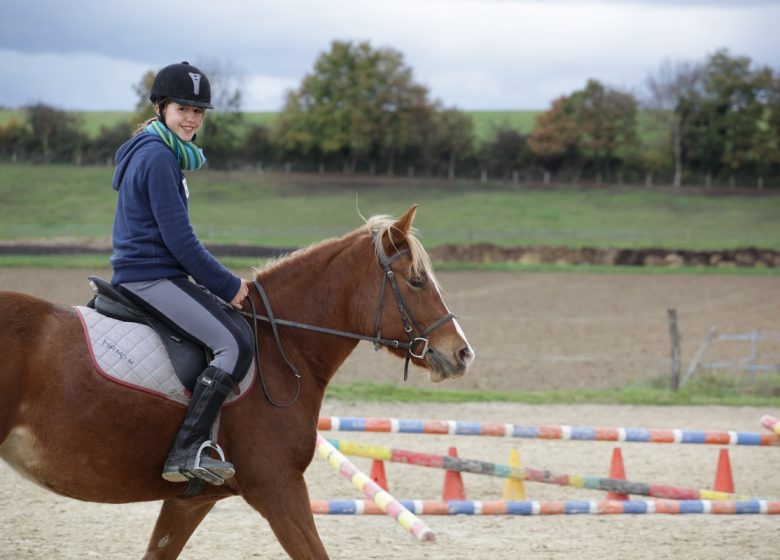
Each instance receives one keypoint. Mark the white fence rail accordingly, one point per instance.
(755, 361)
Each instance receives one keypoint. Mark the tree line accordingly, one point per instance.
(360, 110)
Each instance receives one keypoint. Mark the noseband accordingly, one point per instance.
(417, 347)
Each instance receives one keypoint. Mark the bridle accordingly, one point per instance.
(417, 346)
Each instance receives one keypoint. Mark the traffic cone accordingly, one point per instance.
(378, 474)
(514, 489)
(723, 480)
(616, 470)
(453, 482)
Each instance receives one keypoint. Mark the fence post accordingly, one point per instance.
(483, 177)
(649, 180)
(675, 336)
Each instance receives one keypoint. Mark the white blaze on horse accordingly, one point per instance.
(69, 429)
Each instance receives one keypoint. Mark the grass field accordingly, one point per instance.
(246, 207)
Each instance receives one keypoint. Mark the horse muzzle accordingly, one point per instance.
(442, 367)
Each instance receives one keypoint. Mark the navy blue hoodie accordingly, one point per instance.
(153, 237)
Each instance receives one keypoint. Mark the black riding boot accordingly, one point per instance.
(189, 456)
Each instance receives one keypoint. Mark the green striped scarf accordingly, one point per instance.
(189, 155)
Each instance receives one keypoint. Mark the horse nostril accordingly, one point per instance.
(465, 356)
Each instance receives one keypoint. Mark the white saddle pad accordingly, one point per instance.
(133, 355)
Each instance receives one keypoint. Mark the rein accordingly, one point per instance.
(410, 325)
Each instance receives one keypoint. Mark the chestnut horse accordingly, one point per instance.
(68, 429)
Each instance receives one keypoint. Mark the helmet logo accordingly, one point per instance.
(195, 83)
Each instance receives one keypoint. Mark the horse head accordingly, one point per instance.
(411, 307)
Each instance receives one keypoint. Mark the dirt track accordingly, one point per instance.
(530, 331)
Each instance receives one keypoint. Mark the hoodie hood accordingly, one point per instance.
(125, 154)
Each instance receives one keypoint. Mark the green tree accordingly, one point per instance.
(507, 151)
(606, 119)
(15, 137)
(728, 125)
(221, 135)
(102, 148)
(142, 90)
(595, 126)
(555, 136)
(666, 90)
(56, 133)
(358, 103)
(448, 139)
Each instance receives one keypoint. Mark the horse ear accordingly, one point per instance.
(404, 223)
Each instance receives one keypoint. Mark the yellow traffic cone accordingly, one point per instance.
(514, 489)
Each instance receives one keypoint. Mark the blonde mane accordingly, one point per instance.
(421, 262)
(383, 226)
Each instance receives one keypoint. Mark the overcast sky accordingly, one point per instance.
(471, 54)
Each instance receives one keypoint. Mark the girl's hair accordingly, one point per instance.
(160, 104)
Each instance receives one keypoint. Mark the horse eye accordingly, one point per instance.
(417, 282)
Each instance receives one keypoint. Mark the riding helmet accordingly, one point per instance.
(184, 84)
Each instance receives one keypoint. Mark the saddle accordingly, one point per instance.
(188, 357)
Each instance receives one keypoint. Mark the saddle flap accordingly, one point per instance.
(132, 354)
(188, 357)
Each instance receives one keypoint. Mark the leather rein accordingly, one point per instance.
(417, 346)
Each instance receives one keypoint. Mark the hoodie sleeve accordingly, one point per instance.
(167, 201)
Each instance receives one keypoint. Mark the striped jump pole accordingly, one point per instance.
(524, 473)
(562, 432)
(572, 507)
(380, 498)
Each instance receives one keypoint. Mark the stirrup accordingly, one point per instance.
(204, 473)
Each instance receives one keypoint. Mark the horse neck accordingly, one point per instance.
(318, 286)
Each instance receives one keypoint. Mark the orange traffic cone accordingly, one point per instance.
(378, 474)
(616, 470)
(723, 480)
(453, 482)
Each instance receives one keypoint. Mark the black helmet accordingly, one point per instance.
(184, 84)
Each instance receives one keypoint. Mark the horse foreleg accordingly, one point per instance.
(178, 519)
(288, 511)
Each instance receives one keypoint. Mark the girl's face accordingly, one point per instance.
(183, 120)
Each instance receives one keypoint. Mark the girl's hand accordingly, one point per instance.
(243, 292)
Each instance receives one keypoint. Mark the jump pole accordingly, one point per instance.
(533, 475)
(562, 432)
(571, 507)
(378, 497)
